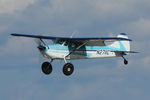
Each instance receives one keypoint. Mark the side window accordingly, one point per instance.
(62, 42)
(65, 43)
(59, 41)
(74, 44)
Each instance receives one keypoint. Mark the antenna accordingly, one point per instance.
(74, 33)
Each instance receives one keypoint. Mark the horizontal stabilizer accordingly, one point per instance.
(125, 51)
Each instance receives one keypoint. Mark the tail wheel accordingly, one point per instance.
(46, 68)
(68, 69)
(125, 62)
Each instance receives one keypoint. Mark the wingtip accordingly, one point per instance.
(13, 34)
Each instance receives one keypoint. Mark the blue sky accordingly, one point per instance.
(20, 70)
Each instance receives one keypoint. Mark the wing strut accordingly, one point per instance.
(42, 41)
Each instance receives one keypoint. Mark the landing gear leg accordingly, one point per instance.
(125, 61)
(51, 60)
(65, 60)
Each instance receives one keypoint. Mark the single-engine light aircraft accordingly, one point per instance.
(64, 48)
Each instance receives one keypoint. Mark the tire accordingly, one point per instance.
(125, 62)
(68, 69)
(46, 68)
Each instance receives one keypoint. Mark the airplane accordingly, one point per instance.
(68, 48)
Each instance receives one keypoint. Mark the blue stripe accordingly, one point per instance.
(60, 47)
(88, 55)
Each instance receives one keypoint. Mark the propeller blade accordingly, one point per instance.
(38, 42)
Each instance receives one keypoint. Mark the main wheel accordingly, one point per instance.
(46, 68)
(68, 69)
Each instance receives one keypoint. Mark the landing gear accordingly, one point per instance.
(125, 61)
(46, 68)
(68, 69)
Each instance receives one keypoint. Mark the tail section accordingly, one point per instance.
(124, 44)
(120, 45)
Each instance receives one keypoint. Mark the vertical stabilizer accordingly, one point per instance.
(125, 44)
(122, 45)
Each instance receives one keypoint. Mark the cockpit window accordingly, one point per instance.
(59, 41)
(62, 42)
(72, 44)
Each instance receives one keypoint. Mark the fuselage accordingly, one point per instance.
(58, 51)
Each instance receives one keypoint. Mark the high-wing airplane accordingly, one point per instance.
(64, 48)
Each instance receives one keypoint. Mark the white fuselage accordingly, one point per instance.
(88, 52)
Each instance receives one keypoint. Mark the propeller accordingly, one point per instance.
(41, 47)
(40, 44)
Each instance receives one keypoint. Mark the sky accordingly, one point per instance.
(21, 77)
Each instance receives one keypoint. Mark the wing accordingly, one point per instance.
(91, 41)
(34, 36)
